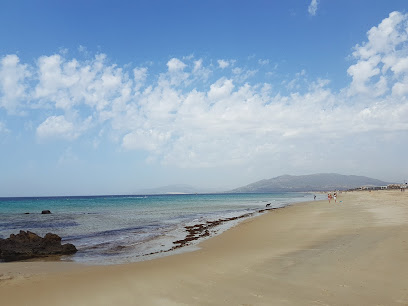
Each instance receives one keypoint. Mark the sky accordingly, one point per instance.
(111, 97)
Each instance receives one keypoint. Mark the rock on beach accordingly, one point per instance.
(27, 245)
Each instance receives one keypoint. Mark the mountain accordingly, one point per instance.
(313, 182)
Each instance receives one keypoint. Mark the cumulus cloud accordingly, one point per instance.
(312, 8)
(140, 75)
(176, 74)
(223, 64)
(220, 89)
(69, 83)
(200, 71)
(195, 114)
(175, 65)
(13, 78)
(56, 127)
(382, 61)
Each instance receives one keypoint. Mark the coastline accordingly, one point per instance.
(352, 252)
(125, 229)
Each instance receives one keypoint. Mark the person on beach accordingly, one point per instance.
(329, 196)
(335, 198)
(314, 197)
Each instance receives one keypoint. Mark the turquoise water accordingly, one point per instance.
(117, 229)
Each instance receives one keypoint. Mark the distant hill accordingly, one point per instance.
(313, 182)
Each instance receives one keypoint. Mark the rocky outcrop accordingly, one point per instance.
(27, 245)
(45, 212)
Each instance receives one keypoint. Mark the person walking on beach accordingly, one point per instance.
(335, 198)
(314, 197)
(329, 196)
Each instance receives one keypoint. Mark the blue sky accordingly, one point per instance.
(99, 97)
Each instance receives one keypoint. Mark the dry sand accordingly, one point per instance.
(354, 252)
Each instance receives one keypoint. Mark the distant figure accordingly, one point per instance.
(314, 197)
(335, 198)
(268, 205)
(329, 196)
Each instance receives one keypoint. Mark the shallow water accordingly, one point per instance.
(117, 229)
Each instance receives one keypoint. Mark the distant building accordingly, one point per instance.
(373, 188)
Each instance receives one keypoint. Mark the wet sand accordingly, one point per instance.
(354, 252)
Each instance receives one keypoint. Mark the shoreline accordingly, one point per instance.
(123, 230)
(194, 236)
(353, 252)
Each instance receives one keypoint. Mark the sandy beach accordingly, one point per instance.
(353, 252)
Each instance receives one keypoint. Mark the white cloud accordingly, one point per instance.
(400, 66)
(362, 72)
(198, 65)
(382, 61)
(385, 37)
(70, 83)
(83, 49)
(175, 65)
(263, 62)
(401, 88)
(200, 71)
(312, 8)
(176, 74)
(56, 127)
(140, 75)
(223, 64)
(149, 140)
(193, 114)
(13, 76)
(297, 82)
(220, 89)
(241, 75)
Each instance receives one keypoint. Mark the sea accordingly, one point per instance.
(121, 229)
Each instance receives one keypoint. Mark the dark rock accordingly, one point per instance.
(27, 245)
(45, 212)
